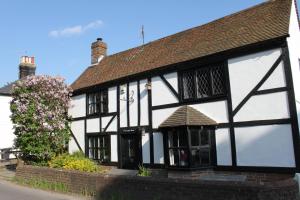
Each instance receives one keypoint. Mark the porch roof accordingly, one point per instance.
(187, 116)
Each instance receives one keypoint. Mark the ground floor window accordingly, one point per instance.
(99, 148)
(190, 147)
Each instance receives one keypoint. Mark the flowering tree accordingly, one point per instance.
(39, 112)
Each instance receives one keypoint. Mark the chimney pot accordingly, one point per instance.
(27, 67)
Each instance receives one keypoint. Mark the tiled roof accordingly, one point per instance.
(6, 90)
(265, 21)
(187, 116)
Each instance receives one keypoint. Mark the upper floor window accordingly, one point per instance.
(203, 83)
(98, 102)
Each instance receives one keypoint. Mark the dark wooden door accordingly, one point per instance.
(130, 151)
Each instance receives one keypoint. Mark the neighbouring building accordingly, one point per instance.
(224, 95)
(27, 67)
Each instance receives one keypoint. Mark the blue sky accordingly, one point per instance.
(59, 32)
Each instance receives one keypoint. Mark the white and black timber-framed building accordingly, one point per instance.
(224, 95)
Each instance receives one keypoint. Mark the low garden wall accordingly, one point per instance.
(150, 188)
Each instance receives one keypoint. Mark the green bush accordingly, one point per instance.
(76, 161)
(143, 171)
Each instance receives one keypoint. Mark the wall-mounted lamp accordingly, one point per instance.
(148, 86)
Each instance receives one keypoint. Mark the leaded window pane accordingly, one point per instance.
(195, 138)
(218, 86)
(204, 138)
(188, 85)
(203, 83)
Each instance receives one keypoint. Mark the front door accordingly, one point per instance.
(129, 151)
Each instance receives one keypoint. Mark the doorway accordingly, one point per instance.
(130, 151)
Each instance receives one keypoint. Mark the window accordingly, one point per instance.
(99, 148)
(196, 153)
(203, 83)
(178, 148)
(200, 147)
(98, 102)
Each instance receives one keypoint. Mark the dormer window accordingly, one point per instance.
(98, 102)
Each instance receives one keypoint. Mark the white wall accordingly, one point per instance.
(294, 51)
(123, 106)
(77, 128)
(161, 94)
(112, 99)
(223, 146)
(112, 127)
(158, 116)
(146, 147)
(114, 148)
(78, 106)
(93, 125)
(7, 136)
(264, 107)
(144, 103)
(265, 146)
(158, 147)
(276, 79)
(133, 105)
(245, 72)
(215, 110)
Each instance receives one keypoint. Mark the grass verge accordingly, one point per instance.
(42, 184)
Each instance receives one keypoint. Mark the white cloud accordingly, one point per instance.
(75, 30)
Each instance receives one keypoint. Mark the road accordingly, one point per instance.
(11, 191)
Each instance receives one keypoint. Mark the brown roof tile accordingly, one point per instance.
(187, 116)
(265, 21)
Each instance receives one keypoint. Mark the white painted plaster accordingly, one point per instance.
(78, 106)
(215, 110)
(7, 133)
(265, 146)
(172, 78)
(223, 146)
(161, 94)
(264, 107)
(113, 148)
(294, 52)
(112, 127)
(146, 147)
(104, 121)
(133, 104)
(93, 125)
(158, 116)
(77, 128)
(158, 148)
(245, 72)
(276, 79)
(112, 99)
(144, 103)
(123, 105)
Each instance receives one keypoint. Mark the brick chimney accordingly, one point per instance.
(98, 51)
(27, 67)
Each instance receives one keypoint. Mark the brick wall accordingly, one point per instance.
(147, 188)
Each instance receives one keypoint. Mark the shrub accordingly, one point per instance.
(76, 161)
(143, 171)
(39, 111)
(84, 165)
